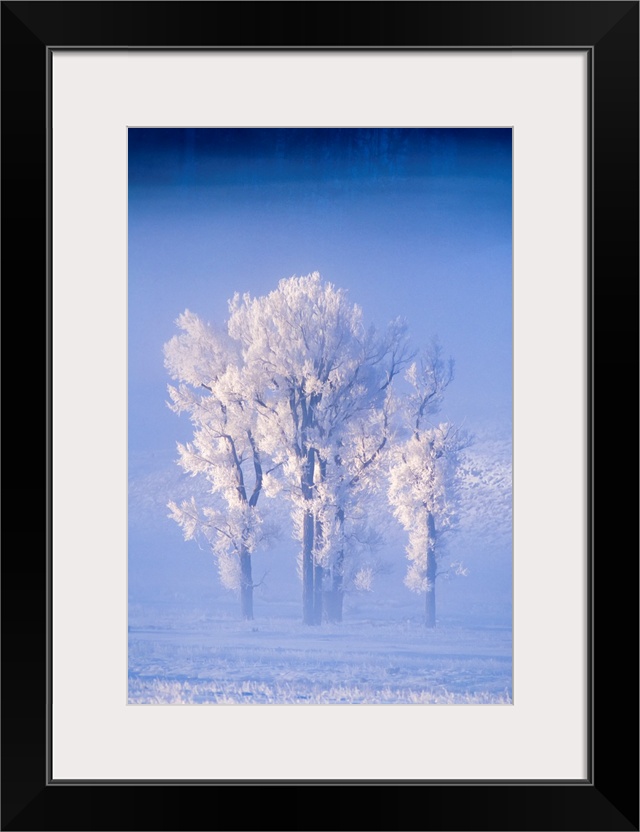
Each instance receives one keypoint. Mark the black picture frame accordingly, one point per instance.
(608, 798)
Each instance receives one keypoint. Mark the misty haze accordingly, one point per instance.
(320, 429)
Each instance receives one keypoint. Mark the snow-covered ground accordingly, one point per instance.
(178, 655)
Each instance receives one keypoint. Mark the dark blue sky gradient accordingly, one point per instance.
(412, 222)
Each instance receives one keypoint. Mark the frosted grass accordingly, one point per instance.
(162, 692)
(189, 657)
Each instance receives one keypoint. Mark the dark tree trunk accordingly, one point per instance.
(335, 596)
(318, 575)
(430, 604)
(308, 612)
(246, 586)
(318, 571)
(307, 569)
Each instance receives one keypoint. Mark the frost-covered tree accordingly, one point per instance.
(217, 393)
(350, 493)
(423, 477)
(318, 370)
(485, 490)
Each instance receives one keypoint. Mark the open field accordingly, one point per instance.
(179, 656)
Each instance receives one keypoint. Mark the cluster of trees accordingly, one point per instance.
(297, 399)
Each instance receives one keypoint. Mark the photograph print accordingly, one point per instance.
(320, 388)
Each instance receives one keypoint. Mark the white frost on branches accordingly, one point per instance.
(215, 390)
(486, 494)
(296, 399)
(323, 410)
(423, 487)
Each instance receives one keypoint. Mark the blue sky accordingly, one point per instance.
(412, 222)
